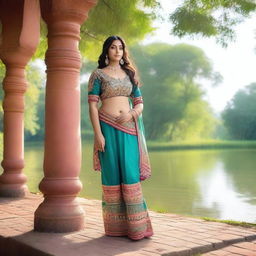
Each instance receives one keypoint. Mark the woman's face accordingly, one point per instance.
(115, 51)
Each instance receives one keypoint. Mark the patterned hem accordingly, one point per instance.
(115, 234)
(125, 211)
(144, 235)
(131, 236)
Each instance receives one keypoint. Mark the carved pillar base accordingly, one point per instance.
(13, 181)
(70, 215)
(8, 190)
(60, 211)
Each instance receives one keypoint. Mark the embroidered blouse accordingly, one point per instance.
(102, 86)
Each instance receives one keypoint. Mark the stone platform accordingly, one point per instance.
(174, 235)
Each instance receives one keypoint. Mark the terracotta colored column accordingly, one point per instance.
(20, 36)
(60, 211)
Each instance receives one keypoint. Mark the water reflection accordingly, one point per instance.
(213, 183)
(221, 196)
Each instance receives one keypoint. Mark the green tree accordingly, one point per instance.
(32, 94)
(239, 115)
(35, 107)
(131, 19)
(40, 114)
(172, 90)
(208, 18)
(198, 122)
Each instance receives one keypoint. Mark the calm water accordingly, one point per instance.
(212, 183)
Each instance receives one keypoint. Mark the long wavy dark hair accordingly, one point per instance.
(128, 66)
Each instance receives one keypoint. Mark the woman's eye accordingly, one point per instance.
(113, 47)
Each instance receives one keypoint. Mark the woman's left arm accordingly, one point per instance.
(137, 109)
(137, 102)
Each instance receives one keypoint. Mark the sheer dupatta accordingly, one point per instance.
(145, 169)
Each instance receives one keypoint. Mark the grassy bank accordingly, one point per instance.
(208, 144)
(88, 136)
(230, 222)
(185, 145)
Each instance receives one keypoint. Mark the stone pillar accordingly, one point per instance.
(60, 211)
(20, 36)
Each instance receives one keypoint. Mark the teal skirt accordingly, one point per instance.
(124, 208)
(120, 161)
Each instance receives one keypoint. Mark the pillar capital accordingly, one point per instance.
(66, 10)
(20, 36)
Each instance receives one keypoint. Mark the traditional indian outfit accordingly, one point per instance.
(124, 163)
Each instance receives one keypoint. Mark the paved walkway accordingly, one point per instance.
(174, 235)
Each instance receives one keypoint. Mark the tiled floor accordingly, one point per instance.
(174, 234)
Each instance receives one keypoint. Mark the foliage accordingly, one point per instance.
(37, 79)
(32, 94)
(130, 19)
(239, 115)
(198, 122)
(172, 90)
(207, 18)
(31, 99)
(43, 44)
(40, 114)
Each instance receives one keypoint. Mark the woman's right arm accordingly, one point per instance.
(94, 89)
(94, 117)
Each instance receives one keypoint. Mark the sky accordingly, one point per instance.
(236, 63)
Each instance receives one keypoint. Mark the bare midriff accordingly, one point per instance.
(115, 106)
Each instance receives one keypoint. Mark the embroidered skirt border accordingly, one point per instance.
(125, 211)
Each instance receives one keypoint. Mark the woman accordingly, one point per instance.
(120, 151)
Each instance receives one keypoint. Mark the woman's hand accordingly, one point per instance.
(99, 142)
(125, 117)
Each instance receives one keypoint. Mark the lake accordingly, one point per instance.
(209, 183)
